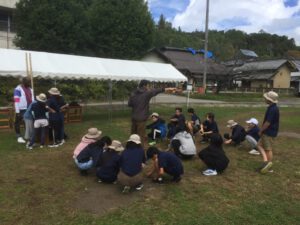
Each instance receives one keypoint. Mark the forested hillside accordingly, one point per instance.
(224, 44)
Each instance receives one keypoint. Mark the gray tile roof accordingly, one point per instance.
(270, 65)
(184, 60)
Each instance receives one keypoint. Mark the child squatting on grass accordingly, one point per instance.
(252, 135)
(109, 163)
(214, 156)
(238, 133)
(158, 129)
(164, 162)
(208, 127)
(132, 162)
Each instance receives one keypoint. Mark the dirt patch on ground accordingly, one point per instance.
(101, 198)
(289, 134)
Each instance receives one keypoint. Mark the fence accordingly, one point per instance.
(285, 91)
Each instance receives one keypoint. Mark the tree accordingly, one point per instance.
(104, 28)
(51, 25)
(120, 29)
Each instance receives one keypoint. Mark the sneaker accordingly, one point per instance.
(61, 142)
(151, 143)
(53, 145)
(29, 147)
(41, 146)
(210, 172)
(126, 189)
(266, 167)
(158, 180)
(21, 140)
(254, 152)
(139, 187)
(99, 181)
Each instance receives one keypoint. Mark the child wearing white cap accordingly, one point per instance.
(252, 135)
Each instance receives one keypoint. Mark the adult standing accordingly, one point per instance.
(269, 130)
(23, 96)
(139, 102)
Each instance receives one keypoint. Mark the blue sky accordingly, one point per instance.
(280, 17)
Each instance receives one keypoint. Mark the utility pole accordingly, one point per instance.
(205, 46)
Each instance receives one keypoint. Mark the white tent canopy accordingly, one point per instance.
(61, 66)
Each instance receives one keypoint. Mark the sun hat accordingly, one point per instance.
(54, 91)
(41, 97)
(116, 145)
(93, 133)
(155, 114)
(231, 123)
(271, 96)
(253, 120)
(135, 138)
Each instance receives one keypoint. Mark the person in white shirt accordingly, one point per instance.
(23, 96)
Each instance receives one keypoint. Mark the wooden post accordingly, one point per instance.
(29, 69)
(30, 73)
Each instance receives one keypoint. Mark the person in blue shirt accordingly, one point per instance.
(132, 162)
(158, 128)
(194, 123)
(177, 123)
(39, 114)
(252, 135)
(56, 104)
(238, 133)
(269, 131)
(89, 157)
(208, 127)
(164, 162)
(109, 163)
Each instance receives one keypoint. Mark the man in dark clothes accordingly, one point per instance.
(139, 102)
(238, 133)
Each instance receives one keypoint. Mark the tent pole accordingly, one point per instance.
(26, 62)
(30, 72)
(29, 69)
(110, 101)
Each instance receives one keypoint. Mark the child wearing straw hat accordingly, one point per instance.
(269, 131)
(109, 163)
(131, 164)
(39, 114)
(56, 103)
(238, 133)
(89, 157)
(92, 136)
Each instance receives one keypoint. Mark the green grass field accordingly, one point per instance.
(44, 187)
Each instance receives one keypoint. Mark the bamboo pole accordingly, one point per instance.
(30, 72)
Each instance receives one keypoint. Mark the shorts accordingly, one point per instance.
(40, 123)
(266, 142)
(126, 180)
